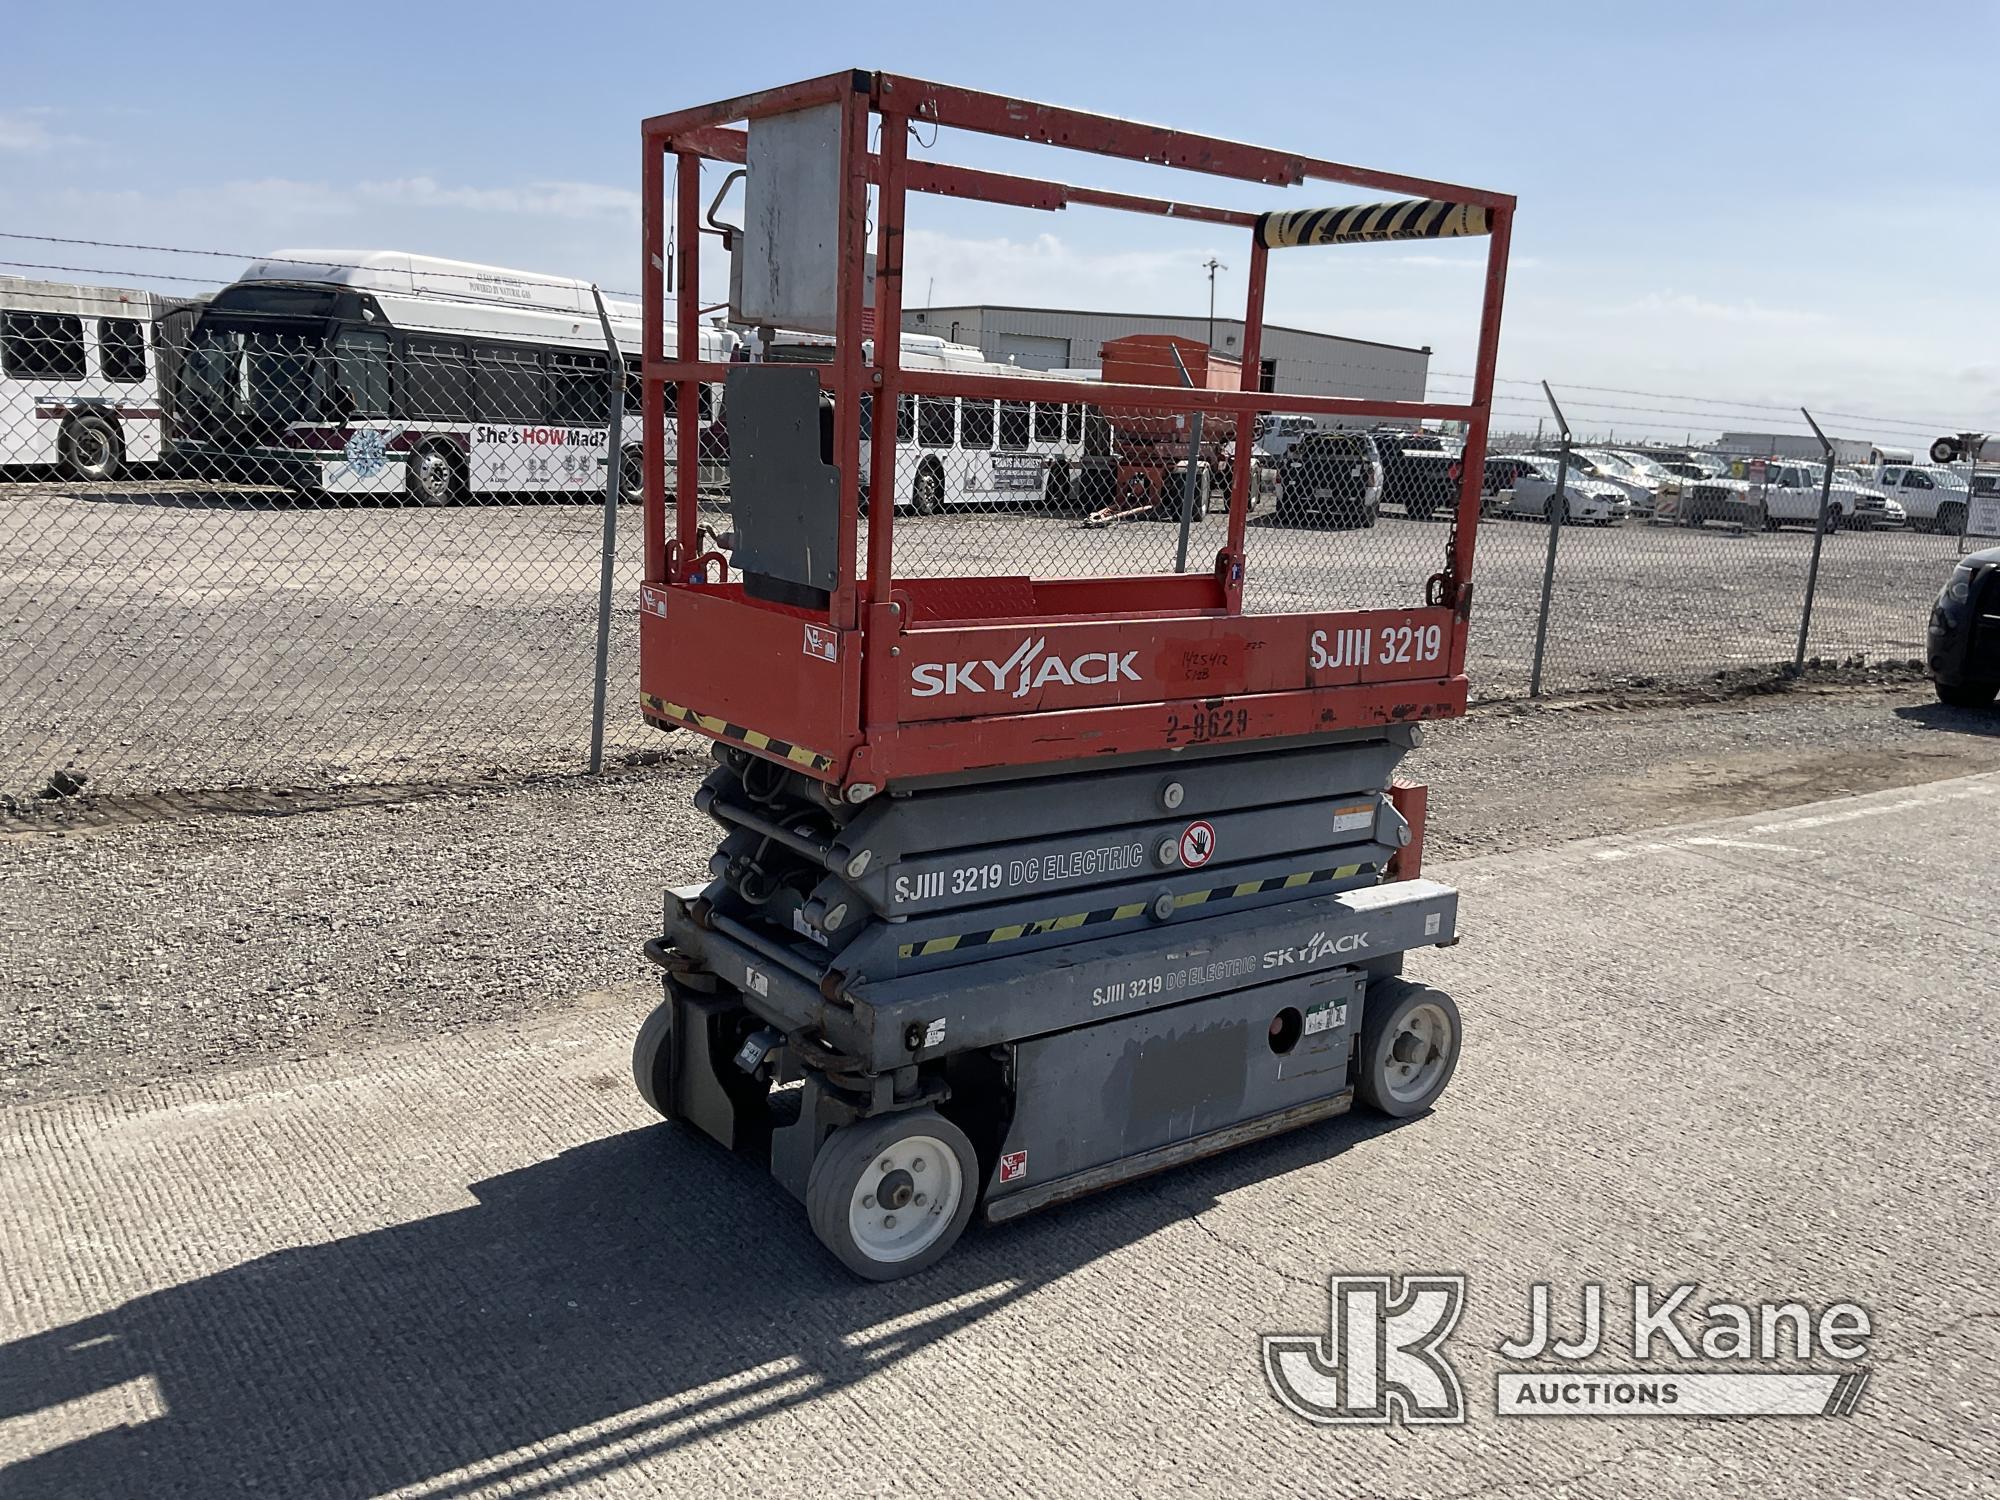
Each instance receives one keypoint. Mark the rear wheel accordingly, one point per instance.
(631, 478)
(927, 494)
(1951, 518)
(1835, 519)
(1410, 1036)
(1549, 509)
(90, 448)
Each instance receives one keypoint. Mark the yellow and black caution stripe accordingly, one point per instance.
(1406, 219)
(756, 739)
(1123, 913)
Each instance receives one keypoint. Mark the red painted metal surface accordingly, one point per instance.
(1413, 800)
(906, 678)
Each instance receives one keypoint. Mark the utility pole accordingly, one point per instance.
(1212, 265)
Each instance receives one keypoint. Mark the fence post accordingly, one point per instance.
(1558, 504)
(1819, 538)
(1193, 480)
(614, 481)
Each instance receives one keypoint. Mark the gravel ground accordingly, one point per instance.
(159, 637)
(178, 945)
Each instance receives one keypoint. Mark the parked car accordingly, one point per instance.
(1934, 498)
(1330, 478)
(1524, 484)
(1609, 468)
(1964, 636)
(1419, 472)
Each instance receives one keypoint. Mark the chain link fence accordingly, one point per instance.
(293, 535)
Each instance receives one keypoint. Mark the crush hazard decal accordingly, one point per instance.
(1014, 1166)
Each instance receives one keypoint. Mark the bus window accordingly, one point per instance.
(507, 386)
(1013, 424)
(975, 426)
(635, 389)
(906, 418)
(867, 416)
(361, 373)
(434, 383)
(1048, 422)
(40, 343)
(121, 350)
(579, 395)
(935, 421)
(1073, 424)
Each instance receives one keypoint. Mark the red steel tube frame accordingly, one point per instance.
(704, 133)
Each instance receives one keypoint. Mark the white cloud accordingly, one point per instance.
(563, 200)
(27, 131)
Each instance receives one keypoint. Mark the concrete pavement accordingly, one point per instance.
(1757, 1054)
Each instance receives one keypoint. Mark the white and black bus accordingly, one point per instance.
(384, 373)
(84, 373)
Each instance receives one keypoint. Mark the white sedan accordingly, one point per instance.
(1524, 484)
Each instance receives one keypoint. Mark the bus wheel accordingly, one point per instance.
(927, 497)
(631, 478)
(1056, 494)
(434, 478)
(89, 447)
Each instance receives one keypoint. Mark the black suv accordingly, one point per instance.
(1417, 472)
(1330, 478)
(1964, 643)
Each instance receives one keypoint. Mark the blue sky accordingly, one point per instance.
(1785, 203)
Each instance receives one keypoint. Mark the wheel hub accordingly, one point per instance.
(897, 1189)
(905, 1198)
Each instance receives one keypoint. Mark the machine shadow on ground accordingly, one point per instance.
(647, 1287)
(1984, 722)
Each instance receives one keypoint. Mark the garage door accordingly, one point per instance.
(1032, 351)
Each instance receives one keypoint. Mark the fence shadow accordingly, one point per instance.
(604, 1307)
(1984, 722)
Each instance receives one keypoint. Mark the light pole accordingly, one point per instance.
(1212, 265)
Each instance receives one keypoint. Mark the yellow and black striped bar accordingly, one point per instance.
(1407, 219)
(1125, 913)
(756, 739)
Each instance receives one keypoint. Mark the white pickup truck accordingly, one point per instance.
(1934, 498)
(1791, 492)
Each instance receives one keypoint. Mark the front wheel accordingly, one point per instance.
(1967, 694)
(1549, 510)
(927, 495)
(1834, 520)
(89, 448)
(1410, 1036)
(433, 476)
(889, 1196)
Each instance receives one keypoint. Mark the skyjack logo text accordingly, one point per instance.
(1023, 672)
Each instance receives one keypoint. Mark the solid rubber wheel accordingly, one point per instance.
(652, 1060)
(890, 1196)
(1967, 694)
(1410, 1036)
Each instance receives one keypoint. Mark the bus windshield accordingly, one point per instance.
(268, 375)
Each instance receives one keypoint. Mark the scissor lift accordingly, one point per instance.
(1025, 885)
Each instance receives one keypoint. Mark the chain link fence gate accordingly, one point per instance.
(295, 537)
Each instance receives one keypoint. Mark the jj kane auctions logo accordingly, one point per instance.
(1023, 672)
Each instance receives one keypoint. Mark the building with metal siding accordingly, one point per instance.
(1296, 360)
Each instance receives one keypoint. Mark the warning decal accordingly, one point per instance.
(1013, 1166)
(1197, 843)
